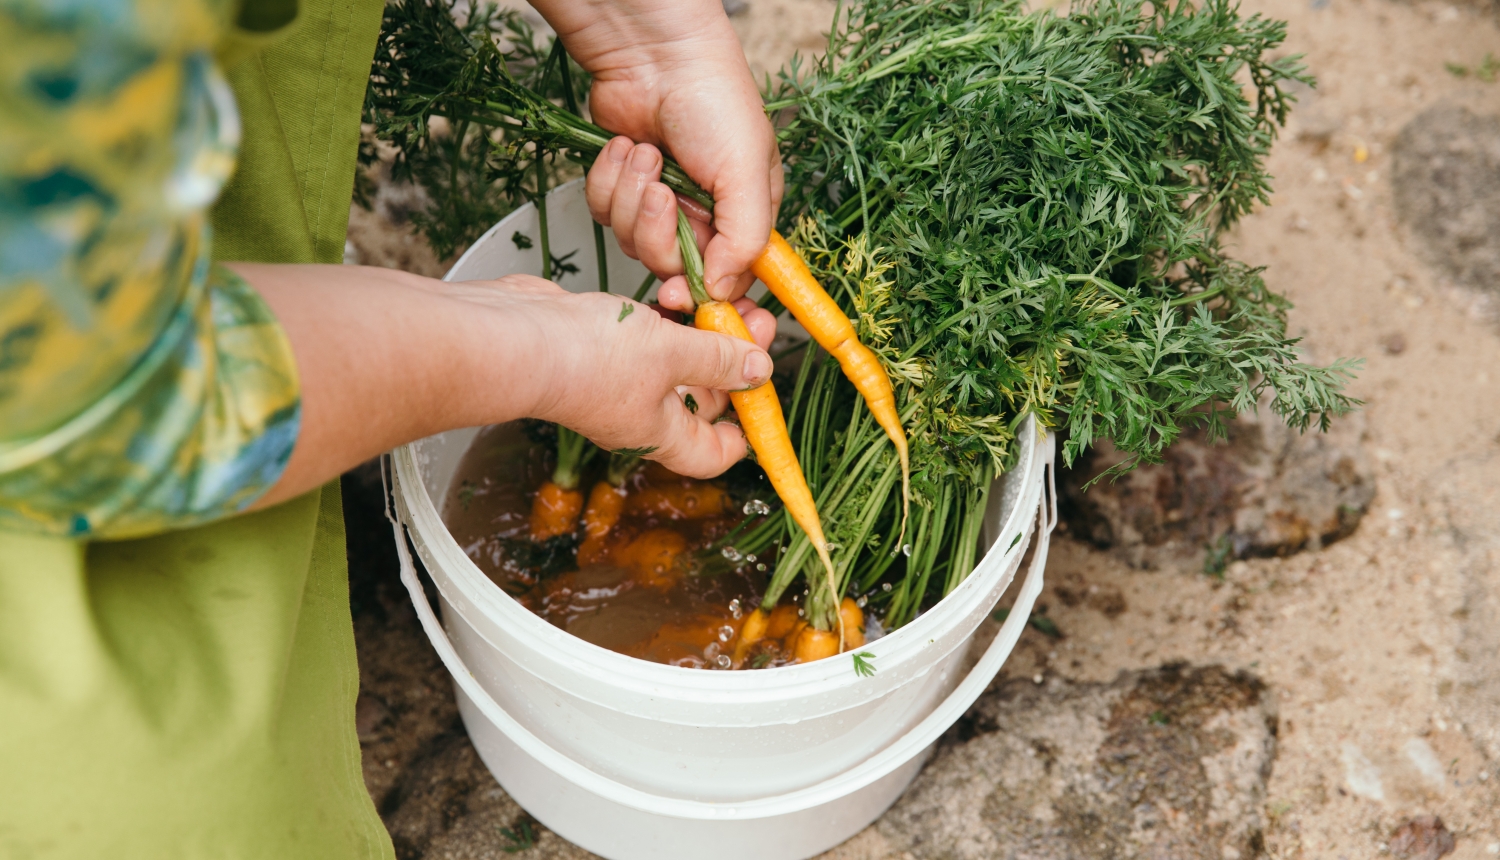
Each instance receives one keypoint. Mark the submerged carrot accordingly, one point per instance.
(606, 504)
(790, 281)
(555, 509)
(759, 410)
(653, 556)
(694, 502)
(854, 623)
(814, 644)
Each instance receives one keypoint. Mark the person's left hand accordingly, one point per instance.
(671, 75)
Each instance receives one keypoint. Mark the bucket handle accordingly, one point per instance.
(878, 766)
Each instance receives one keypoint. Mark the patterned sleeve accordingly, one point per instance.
(141, 387)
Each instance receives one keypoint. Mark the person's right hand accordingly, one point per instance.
(671, 75)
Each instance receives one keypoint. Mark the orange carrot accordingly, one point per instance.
(693, 502)
(781, 621)
(554, 511)
(854, 623)
(759, 411)
(606, 504)
(814, 644)
(790, 281)
(653, 556)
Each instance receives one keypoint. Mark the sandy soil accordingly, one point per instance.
(1359, 641)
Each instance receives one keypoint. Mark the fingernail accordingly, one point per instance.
(644, 160)
(757, 368)
(656, 200)
(723, 288)
(618, 149)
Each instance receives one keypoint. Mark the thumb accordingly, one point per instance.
(714, 360)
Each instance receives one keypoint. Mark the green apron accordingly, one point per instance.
(191, 695)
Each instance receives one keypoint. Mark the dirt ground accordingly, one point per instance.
(1369, 645)
(1359, 641)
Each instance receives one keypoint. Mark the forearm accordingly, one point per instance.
(385, 357)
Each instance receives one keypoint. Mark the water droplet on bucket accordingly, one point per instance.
(885, 586)
(906, 550)
(723, 661)
(731, 553)
(756, 508)
(726, 633)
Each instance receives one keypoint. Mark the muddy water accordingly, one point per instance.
(661, 589)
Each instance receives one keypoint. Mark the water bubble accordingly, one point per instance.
(862, 601)
(801, 613)
(756, 508)
(723, 661)
(726, 633)
(885, 586)
(750, 557)
(731, 553)
(906, 550)
(761, 567)
(734, 608)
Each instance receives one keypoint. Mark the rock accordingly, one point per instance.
(1166, 763)
(1265, 491)
(1446, 184)
(1471, 496)
(1421, 838)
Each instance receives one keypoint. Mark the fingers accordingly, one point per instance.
(696, 447)
(744, 207)
(604, 177)
(718, 361)
(761, 323)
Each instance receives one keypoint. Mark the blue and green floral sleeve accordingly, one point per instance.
(142, 388)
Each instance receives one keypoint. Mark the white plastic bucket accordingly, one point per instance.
(632, 759)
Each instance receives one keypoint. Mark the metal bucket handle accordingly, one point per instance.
(902, 750)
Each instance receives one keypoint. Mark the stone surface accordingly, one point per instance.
(1264, 491)
(1471, 496)
(1446, 190)
(1422, 838)
(1165, 763)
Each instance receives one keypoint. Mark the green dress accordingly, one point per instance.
(190, 694)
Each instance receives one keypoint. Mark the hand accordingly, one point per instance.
(387, 357)
(671, 74)
(624, 381)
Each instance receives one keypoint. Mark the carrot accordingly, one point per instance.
(558, 502)
(814, 644)
(781, 621)
(652, 556)
(790, 281)
(693, 502)
(554, 511)
(854, 624)
(606, 505)
(759, 410)
(752, 631)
